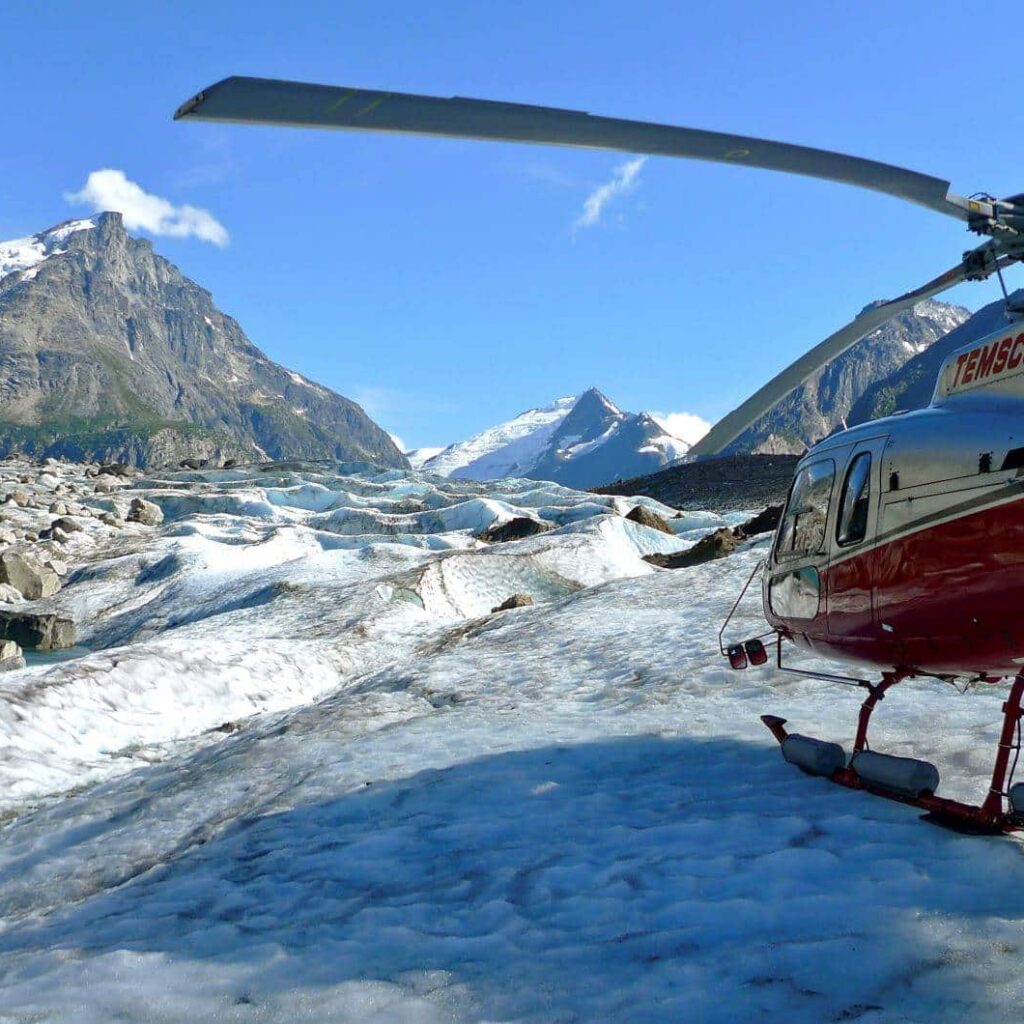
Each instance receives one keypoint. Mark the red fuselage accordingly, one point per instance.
(951, 598)
(902, 544)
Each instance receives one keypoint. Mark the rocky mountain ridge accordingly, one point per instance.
(107, 351)
(912, 385)
(824, 403)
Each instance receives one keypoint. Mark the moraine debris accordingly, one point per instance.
(147, 513)
(514, 529)
(763, 522)
(645, 517)
(27, 576)
(720, 543)
(10, 656)
(515, 601)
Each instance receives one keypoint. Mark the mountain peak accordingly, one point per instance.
(579, 442)
(24, 255)
(111, 352)
(592, 416)
(594, 398)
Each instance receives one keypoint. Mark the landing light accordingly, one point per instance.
(755, 652)
(737, 656)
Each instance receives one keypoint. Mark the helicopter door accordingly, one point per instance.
(850, 576)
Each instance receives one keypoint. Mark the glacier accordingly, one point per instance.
(301, 771)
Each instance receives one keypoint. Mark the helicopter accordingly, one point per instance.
(901, 544)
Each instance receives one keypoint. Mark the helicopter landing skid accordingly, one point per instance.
(909, 781)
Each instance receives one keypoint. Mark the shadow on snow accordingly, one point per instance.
(634, 879)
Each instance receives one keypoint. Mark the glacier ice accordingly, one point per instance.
(305, 775)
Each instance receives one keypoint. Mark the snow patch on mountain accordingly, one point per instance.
(672, 448)
(418, 456)
(25, 254)
(501, 450)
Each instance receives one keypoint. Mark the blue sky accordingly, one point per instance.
(448, 285)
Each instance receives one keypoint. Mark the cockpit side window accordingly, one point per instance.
(852, 522)
(803, 526)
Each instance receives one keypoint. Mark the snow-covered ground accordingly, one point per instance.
(306, 775)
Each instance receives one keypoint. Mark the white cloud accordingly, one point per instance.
(684, 425)
(623, 180)
(111, 190)
(397, 441)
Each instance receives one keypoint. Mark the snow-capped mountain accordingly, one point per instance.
(418, 456)
(580, 441)
(108, 351)
(587, 441)
(25, 254)
(508, 449)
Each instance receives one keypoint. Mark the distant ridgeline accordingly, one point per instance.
(108, 351)
(882, 364)
(735, 482)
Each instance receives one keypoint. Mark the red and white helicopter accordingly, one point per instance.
(901, 545)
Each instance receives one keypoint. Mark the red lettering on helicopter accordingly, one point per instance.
(988, 357)
(1004, 351)
(959, 369)
(1014, 361)
(972, 362)
(988, 361)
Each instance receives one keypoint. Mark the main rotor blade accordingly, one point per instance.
(727, 429)
(268, 101)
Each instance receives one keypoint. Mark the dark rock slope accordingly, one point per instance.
(727, 483)
(108, 351)
(912, 385)
(823, 404)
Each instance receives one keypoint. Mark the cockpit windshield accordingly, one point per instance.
(803, 524)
